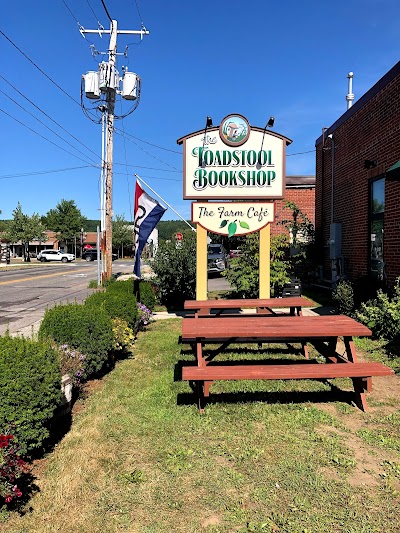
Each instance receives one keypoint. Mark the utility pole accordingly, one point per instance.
(106, 81)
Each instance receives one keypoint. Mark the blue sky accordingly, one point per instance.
(257, 58)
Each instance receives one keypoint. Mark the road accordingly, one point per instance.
(26, 292)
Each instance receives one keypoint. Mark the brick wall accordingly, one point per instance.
(304, 198)
(369, 132)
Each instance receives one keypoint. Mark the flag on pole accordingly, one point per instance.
(147, 213)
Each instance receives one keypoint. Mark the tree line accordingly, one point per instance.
(65, 220)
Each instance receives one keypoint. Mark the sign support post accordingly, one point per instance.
(201, 262)
(265, 262)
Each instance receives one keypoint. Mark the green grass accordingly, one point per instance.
(267, 456)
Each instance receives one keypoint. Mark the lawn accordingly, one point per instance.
(286, 457)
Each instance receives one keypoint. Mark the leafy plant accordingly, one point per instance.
(12, 467)
(30, 384)
(124, 337)
(72, 362)
(344, 296)
(84, 328)
(382, 314)
(147, 296)
(243, 273)
(117, 304)
(25, 229)
(175, 270)
(144, 316)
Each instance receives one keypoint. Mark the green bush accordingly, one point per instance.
(243, 273)
(175, 270)
(30, 385)
(147, 295)
(116, 303)
(85, 328)
(344, 296)
(382, 314)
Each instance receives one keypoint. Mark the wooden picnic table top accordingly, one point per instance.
(278, 328)
(291, 301)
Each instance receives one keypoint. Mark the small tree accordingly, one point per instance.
(122, 234)
(302, 235)
(25, 229)
(243, 273)
(66, 220)
(175, 270)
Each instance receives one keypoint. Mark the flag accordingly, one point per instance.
(147, 213)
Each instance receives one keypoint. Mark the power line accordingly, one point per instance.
(47, 127)
(300, 153)
(150, 177)
(106, 10)
(126, 166)
(48, 116)
(151, 144)
(72, 15)
(40, 172)
(148, 153)
(39, 69)
(138, 10)
(42, 136)
(94, 14)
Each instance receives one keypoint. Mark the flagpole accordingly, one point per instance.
(152, 190)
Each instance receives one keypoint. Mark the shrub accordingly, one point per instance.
(30, 385)
(175, 270)
(146, 291)
(382, 315)
(116, 303)
(72, 362)
(243, 273)
(11, 469)
(124, 337)
(344, 296)
(85, 328)
(147, 295)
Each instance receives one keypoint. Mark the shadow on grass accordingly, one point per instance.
(294, 397)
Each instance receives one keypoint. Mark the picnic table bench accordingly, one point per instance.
(262, 305)
(322, 331)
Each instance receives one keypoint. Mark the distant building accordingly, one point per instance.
(358, 187)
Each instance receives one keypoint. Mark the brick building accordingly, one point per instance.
(301, 191)
(357, 195)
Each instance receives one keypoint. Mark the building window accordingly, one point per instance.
(377, 210)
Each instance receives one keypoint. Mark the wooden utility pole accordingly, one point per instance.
(111, 92)
(109, 86)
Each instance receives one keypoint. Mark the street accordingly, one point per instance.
(26, 292)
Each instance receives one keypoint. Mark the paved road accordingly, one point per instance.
(25, 293)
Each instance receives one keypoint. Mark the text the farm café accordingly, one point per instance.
(233, 172)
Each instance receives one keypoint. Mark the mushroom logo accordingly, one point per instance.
(234, 130)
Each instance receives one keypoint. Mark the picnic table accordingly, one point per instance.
(262, 305)
(321, 331)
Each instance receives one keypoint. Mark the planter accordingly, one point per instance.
(66, 388)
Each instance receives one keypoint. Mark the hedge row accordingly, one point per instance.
(30, 372)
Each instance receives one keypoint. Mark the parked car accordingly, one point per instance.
(91, 255)
(55, 255)
(216, 259)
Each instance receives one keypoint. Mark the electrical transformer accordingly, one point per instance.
(92, 90)
(130, 86)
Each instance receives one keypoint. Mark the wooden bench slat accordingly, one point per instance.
(297, 371)
(239, 303)
(278, 328)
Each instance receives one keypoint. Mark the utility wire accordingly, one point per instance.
(40, 172)
(126, 166)
(300, 153)
(151, 144)
(94, 14)
(149, 168)
(151, 177)
(39, 69)
(47, 127)
(42, 136)
(48, 116)
(106, 10)
(138, 10)
(72, 15)
(148, 153)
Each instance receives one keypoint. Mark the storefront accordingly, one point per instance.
(357, 195)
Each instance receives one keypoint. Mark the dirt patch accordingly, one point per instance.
(212, 520)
